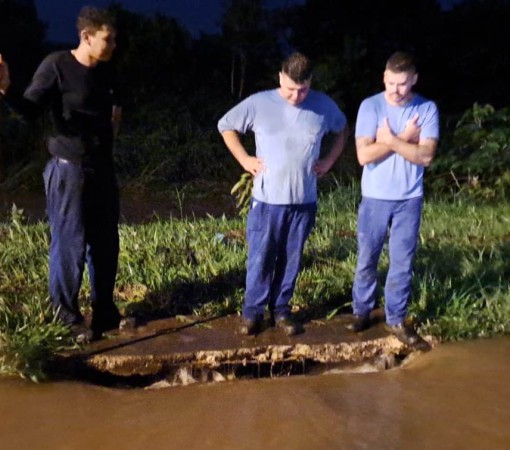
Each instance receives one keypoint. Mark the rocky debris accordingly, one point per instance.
(352, 352)
(168, 353)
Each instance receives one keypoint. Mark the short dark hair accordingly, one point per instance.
(297, 67)
(93, 19)
(401, 62)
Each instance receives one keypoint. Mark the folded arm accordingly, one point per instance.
(407, 144)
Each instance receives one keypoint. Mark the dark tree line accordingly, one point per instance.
(463, 51)
(190, 81)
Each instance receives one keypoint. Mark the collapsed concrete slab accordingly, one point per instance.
(163, 347)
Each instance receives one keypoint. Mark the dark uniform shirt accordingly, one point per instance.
(80, 99)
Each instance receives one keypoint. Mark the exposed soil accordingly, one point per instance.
(139, 205)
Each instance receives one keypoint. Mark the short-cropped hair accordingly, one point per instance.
(298, 67)
(401, 62)
(93, 19)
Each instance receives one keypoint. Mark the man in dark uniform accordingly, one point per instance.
(81, 188)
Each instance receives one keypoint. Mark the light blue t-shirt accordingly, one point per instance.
(394, 178)
(288, 140)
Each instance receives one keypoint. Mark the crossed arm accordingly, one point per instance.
(407, 144)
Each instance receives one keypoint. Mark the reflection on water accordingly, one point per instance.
(454, 397)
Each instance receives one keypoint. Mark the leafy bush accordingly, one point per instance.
(29, 331)
(475, 158)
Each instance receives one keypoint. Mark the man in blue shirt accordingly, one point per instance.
(396, 138)
(289, 123)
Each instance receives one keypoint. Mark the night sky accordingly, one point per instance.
(195, 15)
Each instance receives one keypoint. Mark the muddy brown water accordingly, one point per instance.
(456, 396)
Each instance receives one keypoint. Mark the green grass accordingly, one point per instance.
(197, 266)
(463, 265)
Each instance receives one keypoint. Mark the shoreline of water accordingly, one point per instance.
(455, 396)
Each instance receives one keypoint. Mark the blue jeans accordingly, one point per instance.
(276, 236)
(375, 219)
(83, 212)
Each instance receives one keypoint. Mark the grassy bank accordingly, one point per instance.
(197, 266)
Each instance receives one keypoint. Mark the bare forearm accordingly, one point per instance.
(338, 146)
(249, 163)
(235, 146)
(322, 166)
(421, 153)
(370, 153)
(4, 76)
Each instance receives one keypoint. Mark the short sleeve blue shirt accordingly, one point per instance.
(288, 140)
(395, 178)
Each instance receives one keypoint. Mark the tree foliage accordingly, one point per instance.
(190, 81)
(154, 55)
(475, 159)
(21, 38)
(247, 30)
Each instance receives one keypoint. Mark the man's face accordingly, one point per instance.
(398, 86)
(101, 43)
(291, 91)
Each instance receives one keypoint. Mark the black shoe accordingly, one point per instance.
(406, 335)
(358, 324)
(289, 326)
(100, 324)
(81, 334)
(128, 323)
(250, 327)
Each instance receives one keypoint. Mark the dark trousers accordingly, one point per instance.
(376, 218)
(276, 236)
(83, 213)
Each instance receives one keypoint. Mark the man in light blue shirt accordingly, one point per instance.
(289, 123)
(396, 138)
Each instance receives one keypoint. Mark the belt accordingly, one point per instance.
(66, 161)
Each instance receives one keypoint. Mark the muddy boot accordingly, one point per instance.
(250, 327)
(128, 323)
(358, 324)
(104, 318)
(405, 334)
(81, 333)
(289, 326)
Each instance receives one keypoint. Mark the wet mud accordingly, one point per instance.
(179, 353)
(453, 397)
